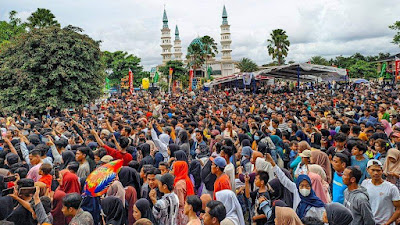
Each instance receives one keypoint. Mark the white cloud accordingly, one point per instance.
(315, 27)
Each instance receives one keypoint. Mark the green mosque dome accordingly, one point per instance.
(200, 43)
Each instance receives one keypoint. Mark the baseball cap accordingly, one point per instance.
(219, 161)
(106, 159)
(374, 162)
(305, 154)
(167, 179)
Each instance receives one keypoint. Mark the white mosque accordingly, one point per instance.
(223, 67)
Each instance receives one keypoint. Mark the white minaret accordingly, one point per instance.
(177, 45)
(225, 37)
(166, 44)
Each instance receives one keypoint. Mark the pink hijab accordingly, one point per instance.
(316, 183)
(388, 128)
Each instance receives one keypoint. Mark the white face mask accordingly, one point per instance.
(305, 192)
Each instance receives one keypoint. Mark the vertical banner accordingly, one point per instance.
(298, 77)
(170, 79)
(174, 87)
(130, 81)
(397, 65)
(190, 79)
(383, 70)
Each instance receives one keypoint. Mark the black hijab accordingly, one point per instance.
(280, 192)
(173, 148)
(195, 170)
(67, 156)
(181, 156)
(145, 148)
(317, 141)
(130, 177)
(144, 207)
(114, 210)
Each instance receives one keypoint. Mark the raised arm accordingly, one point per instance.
(285, 181)
(99, 141)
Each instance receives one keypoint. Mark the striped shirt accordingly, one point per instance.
(166, 209)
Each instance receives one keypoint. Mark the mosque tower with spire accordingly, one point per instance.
(226, 59)
(166, 43)
(177, 45)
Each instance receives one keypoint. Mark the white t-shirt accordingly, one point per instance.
(230, 171)
(381, 198)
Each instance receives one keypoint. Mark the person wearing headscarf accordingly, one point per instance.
(278, 144)
(70, 183)
(117, 190)
(305, 202)
(388, 128)
(181, 156)
(286, 216)
(131, 198)
(301, 136)
(130, 177)
(161, 143)
(172, 148)
(183, 141)
(278, 192)
(316, 140)
(195, 174)
(391, 167)
(317, 186)
(67, 157)
(183, 187)
(114, 211)
(246, 156)
(321, 158)
(58, 216)
(232, 206)
(142, 209)
(147, 158)
(93, 206)
(337, 214)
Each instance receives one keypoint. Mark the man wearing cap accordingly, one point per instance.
(166, 209)
(384, 196)
(222, 181)
(302, 168)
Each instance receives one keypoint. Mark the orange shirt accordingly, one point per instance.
(221, 183)
(47, 179)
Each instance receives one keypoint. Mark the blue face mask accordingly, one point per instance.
(256, 138)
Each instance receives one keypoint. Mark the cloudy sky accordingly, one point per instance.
(315, 27)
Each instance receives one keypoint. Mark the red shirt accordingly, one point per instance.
(221, 183)
(126, 157)
(47, 179)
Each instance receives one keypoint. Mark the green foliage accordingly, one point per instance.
(42, 18)
(319, 60)
(10, 29)
(179, 73)
(363, 69)
(119, 63)
(278, 45)
(209, 46)
(247, 65)
(396, 27)
(195, 56)
(52, 67)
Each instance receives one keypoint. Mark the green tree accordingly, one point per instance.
(179, 73)
(118, 64)
(195, 56)
(247, 65)
(209, 46)
(396, 27)
(50, 67)
(362, 69)
(42, 18)
(278, 45)
(10, 29)
(319, 60)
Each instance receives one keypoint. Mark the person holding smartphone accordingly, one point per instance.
(23, 213)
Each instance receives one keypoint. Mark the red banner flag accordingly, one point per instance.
(397, 66)
(130, 81)
(190, 79)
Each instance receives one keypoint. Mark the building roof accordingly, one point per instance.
(224, 16)
(165, 19)
(391, 58)
(176, 33)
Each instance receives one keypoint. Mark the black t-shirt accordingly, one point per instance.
(254, 196)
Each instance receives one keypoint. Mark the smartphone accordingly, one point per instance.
(10, 178)
(7, 191)
(27, 191)
(57, 172)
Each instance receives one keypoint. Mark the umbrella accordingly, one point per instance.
(100, 179)
(359, 81)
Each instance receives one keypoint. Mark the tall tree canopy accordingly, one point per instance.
(42, 18)
(10, 29)
(396, 27)
(278, 45)
(54, 67)
(319, 60)
(247, 65)
(179, 73)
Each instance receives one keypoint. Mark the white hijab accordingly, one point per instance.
(232, 206)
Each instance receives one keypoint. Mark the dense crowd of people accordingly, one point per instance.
(318, 155)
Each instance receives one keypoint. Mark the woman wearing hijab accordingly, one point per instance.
(58, 216)
(305, 202)
(318, 187)
(232, 206)
(278, 192)
(114, 211)
(172, 148)
(321, 158)
(70, 183)
(67, 157)
(181, 156)
(117, 190)
(142, 209)
(183, 141)
(278, 144)
(147, 159)
(391, 167)
(93, 206)
(195, 174)
(388, 128)
(183, 187)
(131, 198)
(130, 177)
(301, 136)
(286, 216)
(316, 140)
(337, 214)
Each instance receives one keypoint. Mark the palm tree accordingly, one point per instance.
(319, 60)
(42, 18)
(247, 65)
(195, 56)
(278, 46)
(209, 46)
